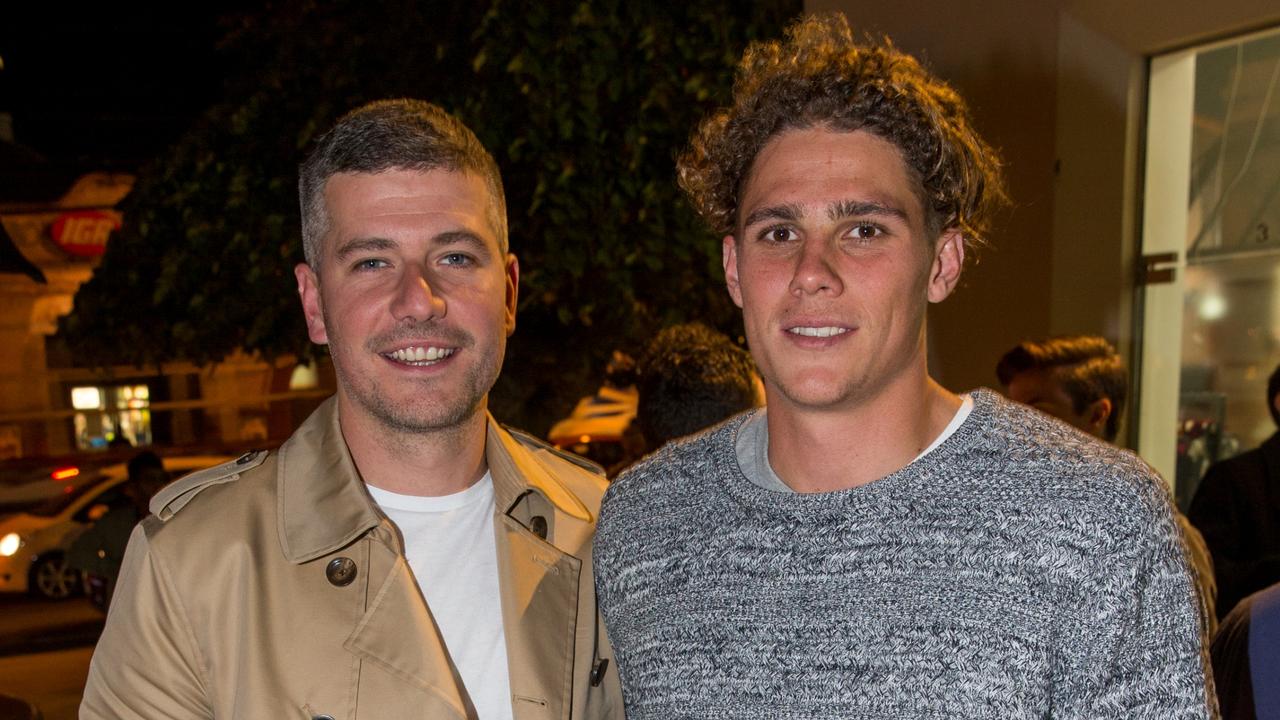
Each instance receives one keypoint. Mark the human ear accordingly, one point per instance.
(1099, 413)
(948, 261)
(729, 255)
(312, 309)
(512, 292)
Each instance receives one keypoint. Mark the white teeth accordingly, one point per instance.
(420, 354)
(818, 331)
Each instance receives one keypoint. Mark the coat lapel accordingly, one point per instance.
(325, 510)
(397, 612)
(538, 578)
(540, 611)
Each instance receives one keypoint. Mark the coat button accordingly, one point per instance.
(321, 717)
(341, 571)
(538, 526)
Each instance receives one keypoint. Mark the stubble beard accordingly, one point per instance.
(425, 411)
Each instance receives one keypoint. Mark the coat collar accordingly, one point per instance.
(323, 504)
(516, 470)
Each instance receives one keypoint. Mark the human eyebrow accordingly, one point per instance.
(360, 245)
(464, 237)
(461, 237)
(856, 208)
(789, 212)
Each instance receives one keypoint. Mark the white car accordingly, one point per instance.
(33, 543)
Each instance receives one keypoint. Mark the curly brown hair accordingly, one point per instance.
(821, 77)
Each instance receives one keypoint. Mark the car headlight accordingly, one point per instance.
(9, 544)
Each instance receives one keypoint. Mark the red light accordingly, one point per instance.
(65, 473)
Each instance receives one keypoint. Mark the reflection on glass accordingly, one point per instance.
(1235, 181)
(1231, 309)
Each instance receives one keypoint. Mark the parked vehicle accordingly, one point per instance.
(33, 544)
(25, 486)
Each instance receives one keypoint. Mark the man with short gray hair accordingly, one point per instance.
(401, 555)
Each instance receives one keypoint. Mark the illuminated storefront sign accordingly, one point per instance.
(84, 233)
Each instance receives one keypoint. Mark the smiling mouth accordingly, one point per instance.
(818, 332)
(420, 356)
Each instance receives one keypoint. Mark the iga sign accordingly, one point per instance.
(84, 233)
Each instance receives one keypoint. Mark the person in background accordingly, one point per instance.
(401, 555)
(1246, 658)
(1078, 379)
(99, 551)
(1237, 507)
(871, 544)
(1082, 380)
(689, 378)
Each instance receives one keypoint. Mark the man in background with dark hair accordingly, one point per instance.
(1082, 380)
(691, 377)
(1237, 507)
(1079, 379)
(401, 555)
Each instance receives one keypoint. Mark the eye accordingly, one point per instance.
(456, 259)
(866, 231)
(369, 264)
(778, 235)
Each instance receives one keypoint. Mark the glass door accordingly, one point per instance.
(1211, 255)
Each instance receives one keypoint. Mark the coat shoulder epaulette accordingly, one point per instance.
(537, 444)
(178, 493)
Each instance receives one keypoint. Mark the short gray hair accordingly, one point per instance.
(400, 134)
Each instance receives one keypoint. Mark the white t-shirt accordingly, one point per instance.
(449, 543)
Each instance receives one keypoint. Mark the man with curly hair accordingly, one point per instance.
(872, 544)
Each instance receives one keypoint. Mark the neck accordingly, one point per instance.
(426, 463)
(824, 450)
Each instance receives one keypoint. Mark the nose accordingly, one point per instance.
(815, 270)
(415, 299)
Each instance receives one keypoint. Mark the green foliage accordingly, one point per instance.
(584, 106)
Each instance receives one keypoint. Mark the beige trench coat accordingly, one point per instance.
(237, 599)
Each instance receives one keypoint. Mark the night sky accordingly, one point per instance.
(109, 85)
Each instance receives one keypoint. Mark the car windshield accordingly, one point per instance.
(69, 494)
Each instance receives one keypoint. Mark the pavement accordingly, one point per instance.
(28, 625)
(52, 681)
(45, 648)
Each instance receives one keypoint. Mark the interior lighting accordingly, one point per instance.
(1212, 307)
(86, 398)
(65, 473)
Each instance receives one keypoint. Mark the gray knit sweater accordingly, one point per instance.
(1019, 570)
